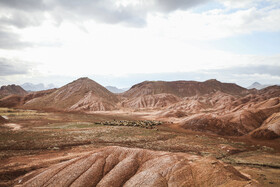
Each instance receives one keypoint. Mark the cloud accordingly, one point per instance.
(131, 13)
(272, 70)
(17, 16)
(20, 14)
(10, 40)
(241, 4)
(20, 19)
(168, 6)
(216, 24)
(27, 5)
(11, 67)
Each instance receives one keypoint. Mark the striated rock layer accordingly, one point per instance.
(117, 166)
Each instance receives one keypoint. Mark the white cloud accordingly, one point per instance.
(245, 4)
(215, 24)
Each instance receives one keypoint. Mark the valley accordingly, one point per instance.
(192, 127)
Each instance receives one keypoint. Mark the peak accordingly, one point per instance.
(256, 84)
(212, 80)
(84, 78)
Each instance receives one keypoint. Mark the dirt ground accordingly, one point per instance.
(38, 139)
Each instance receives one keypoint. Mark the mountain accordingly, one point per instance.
(258, 86)
(114, 89)
(183, 88)
(11, 90)
(37, 87)
(81, 94)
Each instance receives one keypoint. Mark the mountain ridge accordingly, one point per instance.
(183, 88)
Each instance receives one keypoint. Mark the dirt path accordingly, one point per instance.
(14, 126)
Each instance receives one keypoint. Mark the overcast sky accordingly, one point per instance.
(123, 42)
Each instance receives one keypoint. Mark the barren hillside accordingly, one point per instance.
(225, 114)
(82, 94)
(117, 166)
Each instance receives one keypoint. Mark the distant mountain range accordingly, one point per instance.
(114, 89)
(258, 86)
(36, 87)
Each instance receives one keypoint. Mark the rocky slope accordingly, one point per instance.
(117, 166)
(270, 129)
(82, 94)
(150, 101)
(11, 90)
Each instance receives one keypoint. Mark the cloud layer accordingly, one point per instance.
(125, 36)
(9, 67)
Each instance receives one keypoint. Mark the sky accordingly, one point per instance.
(124, 42)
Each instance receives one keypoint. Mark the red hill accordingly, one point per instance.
(183, 88)
(81, 94)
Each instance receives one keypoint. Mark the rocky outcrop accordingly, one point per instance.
(12, 90)
(117, 166)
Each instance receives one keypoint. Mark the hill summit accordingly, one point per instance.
(81, 94)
